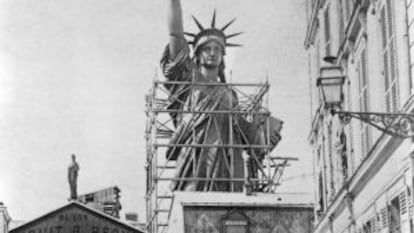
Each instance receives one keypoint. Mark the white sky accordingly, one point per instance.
(73, 75)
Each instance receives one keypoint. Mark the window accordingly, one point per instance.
(347, 6)
(321, 202)
(367, 227)
(235, 226)
(345, 11)
(389, 57)
(372, 224)
(362, 68)
(395, 215)
(341, 22)
(313, 3)
(384, 217)
(327, 32)
(235, 221)
(343, 153)
(403, 202)
(331, 163)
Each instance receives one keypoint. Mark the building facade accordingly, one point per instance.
(75, 217)
(4, 219)
(363, 177)
(224, 212)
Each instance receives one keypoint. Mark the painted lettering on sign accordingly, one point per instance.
(74, 217)
(76, 229)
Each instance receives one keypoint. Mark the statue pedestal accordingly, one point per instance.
(211, 211)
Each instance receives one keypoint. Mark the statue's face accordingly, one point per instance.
(211, 54)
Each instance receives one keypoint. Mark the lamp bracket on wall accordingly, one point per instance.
(400, 125)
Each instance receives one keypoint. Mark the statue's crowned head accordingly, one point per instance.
(208, 34)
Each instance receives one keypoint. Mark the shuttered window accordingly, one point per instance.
(364, 101)
(313, 3)
(395, 212)
(410, 204)
(342, 22)
(379, 222)
(403, 202)
(321, 201)
(348, 6)
(389, 57)
(327, 26)
(373, 224)
(384, 217)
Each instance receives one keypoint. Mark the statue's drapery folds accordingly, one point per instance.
(205, 122)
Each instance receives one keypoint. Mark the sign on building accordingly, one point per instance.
(75, 218)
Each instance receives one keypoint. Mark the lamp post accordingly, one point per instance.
(330, 83)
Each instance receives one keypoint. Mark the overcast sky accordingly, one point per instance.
(73, 75)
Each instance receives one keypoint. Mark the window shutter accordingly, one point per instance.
(405, 225)
(347, 6)
(385, 59)
(393, 78)
(389, 57)
(364, 68)
(341, 21)
(410, 205)
(383, 28)
(379, 223)
(384, 217)
(373, 225)
(390, 21)
(363, 100)
(327, 32)
(403, 203)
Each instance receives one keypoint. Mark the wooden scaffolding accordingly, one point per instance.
(252, 99)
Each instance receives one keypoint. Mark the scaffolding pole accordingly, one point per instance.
(251, 98)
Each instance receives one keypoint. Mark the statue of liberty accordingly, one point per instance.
(205, 119)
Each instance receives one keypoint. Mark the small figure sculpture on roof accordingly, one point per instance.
(73, 171)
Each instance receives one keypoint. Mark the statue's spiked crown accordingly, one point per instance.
(212, 33)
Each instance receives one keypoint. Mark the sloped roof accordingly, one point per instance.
(74, 205)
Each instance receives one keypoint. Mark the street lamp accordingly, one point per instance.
(330, 83)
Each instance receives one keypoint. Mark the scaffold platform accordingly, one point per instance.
(252, 101)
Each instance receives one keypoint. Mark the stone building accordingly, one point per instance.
(363, 180)
(4, 219)
(75, 217)
(235, 212)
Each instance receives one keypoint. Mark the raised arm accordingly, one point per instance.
(175, 28)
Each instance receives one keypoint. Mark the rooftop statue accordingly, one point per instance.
(73, 171)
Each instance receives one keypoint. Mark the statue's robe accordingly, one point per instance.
(206, 159)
